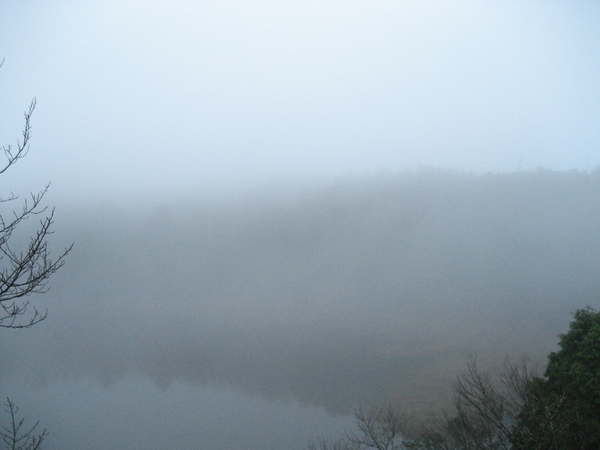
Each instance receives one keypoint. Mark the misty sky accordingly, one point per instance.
(284, 210)
(167, 96)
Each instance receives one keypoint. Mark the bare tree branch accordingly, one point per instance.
(13, 155)
(27, 270)
(15, 436)
(23, 272)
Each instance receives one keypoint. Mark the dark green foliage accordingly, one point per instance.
(564, 412)
(575, 369)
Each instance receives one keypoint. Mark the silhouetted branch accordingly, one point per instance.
(13, 155)
(24, 271)
(15, 436)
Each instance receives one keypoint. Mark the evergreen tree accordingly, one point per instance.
(565, 409)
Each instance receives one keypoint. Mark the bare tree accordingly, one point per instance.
(324, 444)
(488, 412)
(511, 408)
(24, 271)
(18, 437)
(376, 428)
(379, 428)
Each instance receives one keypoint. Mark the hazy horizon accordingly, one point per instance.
(166, 98)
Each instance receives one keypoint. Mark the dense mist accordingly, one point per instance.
(258, 249)
(362, 291)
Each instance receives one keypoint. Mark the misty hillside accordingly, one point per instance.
(361, 291)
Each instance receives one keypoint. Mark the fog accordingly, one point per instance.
(225, 95)
(365, 291)
(284, 210)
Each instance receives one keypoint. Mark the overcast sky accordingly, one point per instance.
(192, 318)
(178, 95)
